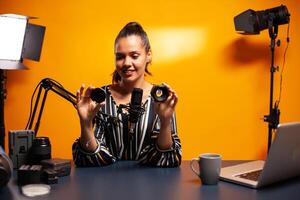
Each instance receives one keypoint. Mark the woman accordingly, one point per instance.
(105, 135)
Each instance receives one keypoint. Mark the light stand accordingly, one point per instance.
(273, 118)
(2, 97)
(251, 22)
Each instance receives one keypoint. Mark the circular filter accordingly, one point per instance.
(33, 190)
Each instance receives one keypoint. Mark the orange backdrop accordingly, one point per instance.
(221, 77)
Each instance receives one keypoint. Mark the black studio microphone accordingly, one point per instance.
(135, 108)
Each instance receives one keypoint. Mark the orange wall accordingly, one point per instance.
(221, 77)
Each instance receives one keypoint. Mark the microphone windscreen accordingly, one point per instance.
(135, 105)
(136, 97)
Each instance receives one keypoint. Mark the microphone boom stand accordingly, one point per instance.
(48, 84)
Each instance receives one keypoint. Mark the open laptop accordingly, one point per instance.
(283, 161)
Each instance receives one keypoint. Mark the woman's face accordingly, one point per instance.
(131, 58)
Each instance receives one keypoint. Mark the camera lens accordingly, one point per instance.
(6, 168)
(159, 93)
(98, 95)
(40, 150)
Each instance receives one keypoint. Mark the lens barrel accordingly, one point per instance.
(159, 93)
(40, 150)
(98, 95)
(6, 168)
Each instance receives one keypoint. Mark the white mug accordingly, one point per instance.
(209, 168)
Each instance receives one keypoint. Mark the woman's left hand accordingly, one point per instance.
(165, 109)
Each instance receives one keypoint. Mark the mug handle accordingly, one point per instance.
(192, 166)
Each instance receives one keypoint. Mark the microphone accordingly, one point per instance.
(135, 108)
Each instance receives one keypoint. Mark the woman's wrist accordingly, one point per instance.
(85, 122)
(86, 126)
(88, 144)
(164, 122)
(87, 138)
(164, 140)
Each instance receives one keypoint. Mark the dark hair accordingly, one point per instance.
(132, 28)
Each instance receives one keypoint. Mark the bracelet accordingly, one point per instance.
(87, 144)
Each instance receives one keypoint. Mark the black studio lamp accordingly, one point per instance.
(251, 22)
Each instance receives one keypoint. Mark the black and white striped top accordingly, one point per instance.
(114, 143)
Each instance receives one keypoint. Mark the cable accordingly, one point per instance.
(283, 65)
(31, 103)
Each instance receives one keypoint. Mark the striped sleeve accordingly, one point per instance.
(151, 155)
(101, 157)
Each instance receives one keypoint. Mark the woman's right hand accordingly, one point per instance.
(86, 108)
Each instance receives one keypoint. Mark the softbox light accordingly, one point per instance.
(19, 40)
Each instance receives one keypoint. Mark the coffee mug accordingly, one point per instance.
(209, 168)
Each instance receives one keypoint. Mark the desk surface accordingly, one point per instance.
(126, 180)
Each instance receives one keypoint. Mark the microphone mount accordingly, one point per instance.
(128, 107)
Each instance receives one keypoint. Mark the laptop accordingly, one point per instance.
(283, 161)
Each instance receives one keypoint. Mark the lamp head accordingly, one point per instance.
(252, 22)
(19, 40)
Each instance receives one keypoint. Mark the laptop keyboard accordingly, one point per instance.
(251, 175)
